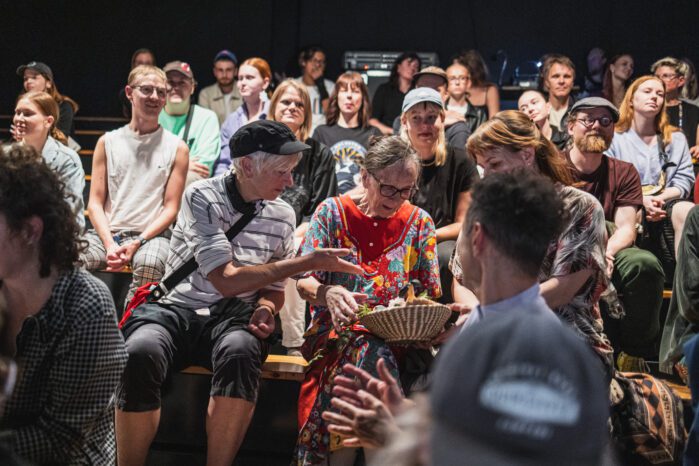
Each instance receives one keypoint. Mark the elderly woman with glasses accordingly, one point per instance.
(394, 243)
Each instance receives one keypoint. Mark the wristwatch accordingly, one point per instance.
(141, 240)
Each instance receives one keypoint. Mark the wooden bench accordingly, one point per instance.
(276, 367)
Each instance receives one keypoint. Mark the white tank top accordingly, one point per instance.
(138, 168)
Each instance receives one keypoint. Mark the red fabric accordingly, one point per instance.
(139, 298)
(374, 237)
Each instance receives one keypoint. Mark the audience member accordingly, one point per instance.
(483, 95)
(636, 273)
(254, 77)
(682, 322)
(573, 274)
(617, 78)
(519, 402)
(558, 76)
(314, 181)
(596, 69)
(347, 130)
(312, 63)
(681, 113)
(388, 98)
(456, 131)
(394, 243)
(223, 97)
(220, 315)
(448, 173)
(34, 123)
(534, 104)
(37, 76)
(659, 151)
(458, 103)
(138, 174)
(690, 90)
(195, 125)
(61, 325)
(141, 56)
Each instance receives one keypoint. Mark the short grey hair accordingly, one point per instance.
(680, 67)
(387, 151)
(263, 161)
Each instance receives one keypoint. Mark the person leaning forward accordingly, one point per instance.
(221, 315)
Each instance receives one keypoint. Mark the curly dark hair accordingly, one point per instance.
(521, 212)
(28, 187)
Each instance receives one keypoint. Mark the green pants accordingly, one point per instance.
(638, 277)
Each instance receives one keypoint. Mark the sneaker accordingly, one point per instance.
(627, 363)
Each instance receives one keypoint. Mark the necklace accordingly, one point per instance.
(428, 164)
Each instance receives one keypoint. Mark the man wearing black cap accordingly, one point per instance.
(223, 97)
(636, 273)
(221, 314)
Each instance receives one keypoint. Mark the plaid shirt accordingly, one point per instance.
(71, 356)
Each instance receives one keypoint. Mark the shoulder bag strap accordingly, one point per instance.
(188, 123)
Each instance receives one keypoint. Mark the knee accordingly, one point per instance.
(147, 354)
(239, 346)
(444, 251)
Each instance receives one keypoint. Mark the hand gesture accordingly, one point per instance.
(262, 322)
(328, 260)
(18, 131)
(342, 305)
(654, 208)
(198, 168)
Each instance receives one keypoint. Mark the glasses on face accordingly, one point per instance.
(387, 190)
(148, 91)
(459, 79)
(666, 76)
(590, 122)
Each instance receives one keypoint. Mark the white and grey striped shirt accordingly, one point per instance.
(206, 214)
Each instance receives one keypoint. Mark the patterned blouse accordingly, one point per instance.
(391, 251)
(581, 246)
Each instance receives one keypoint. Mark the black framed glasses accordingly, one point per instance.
(590, 122)
(148, 91)
(388, 190)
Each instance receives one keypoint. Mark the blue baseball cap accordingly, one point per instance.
(226, 54)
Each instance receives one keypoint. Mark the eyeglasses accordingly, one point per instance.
(387, 190)
(667, 76)
(590, 122)
(148, 91)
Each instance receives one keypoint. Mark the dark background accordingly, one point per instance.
(88, 44)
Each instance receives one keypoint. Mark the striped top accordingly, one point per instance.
(206, 215)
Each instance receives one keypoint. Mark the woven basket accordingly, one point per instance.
(408, 324)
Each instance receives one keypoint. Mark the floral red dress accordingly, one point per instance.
(392, 252)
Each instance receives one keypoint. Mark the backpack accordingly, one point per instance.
(648, 422)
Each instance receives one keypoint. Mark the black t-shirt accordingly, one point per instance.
(348, 145)
(314, 181)
(439, 187)
(387, 103)
(690, 120)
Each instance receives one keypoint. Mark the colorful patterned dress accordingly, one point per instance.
(392, 252)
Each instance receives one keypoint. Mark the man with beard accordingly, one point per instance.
(222, 97)
(636, 273)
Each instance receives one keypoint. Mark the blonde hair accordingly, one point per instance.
(305, 130)
(440, 147)
(514, 131)
(48, 107)
(626, 111)
(141, 71)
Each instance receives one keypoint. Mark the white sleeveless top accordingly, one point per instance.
(138, 167)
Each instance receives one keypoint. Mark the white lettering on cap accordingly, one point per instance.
(530, 400)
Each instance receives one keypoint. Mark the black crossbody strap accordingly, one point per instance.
(190, 266)
(188, 123)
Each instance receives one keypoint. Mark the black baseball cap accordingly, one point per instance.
(37, 66)
(267, 136)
